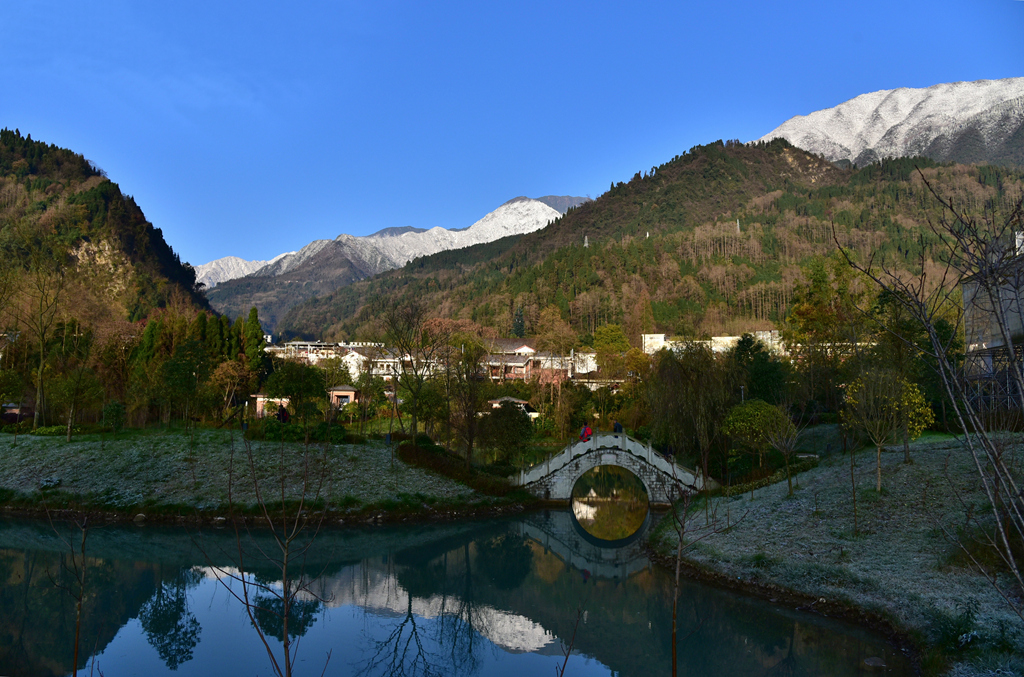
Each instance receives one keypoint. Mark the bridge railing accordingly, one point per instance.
(610, 441)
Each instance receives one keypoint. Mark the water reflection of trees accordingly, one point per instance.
(37, 619)
(464, 583)
(451, 574)
(170, 626)
(270, 614)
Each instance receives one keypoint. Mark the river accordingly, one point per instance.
(497, 597)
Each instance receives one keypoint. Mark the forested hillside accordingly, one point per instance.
(81, 269)
(713, 242)
(55, 203)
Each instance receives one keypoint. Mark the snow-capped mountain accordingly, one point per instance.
(980, 121)
(324, 265)
(228, 268)
(394, 247)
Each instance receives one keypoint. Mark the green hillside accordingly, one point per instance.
(712, 242)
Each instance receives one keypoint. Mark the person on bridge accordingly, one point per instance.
(617, 428)
(586, 433)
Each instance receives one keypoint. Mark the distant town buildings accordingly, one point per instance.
(505, 359)
(652, 343)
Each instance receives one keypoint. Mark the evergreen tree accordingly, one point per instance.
(225, 339)
(197, 330)
(214, 340)
(254, 341)
(236, 349)
(518, 323)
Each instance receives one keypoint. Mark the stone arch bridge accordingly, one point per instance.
(555, 478)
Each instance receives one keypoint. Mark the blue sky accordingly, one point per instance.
(252, 128)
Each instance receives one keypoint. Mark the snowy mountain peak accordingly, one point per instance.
(229, 268)
(394, 247)
(979, 121)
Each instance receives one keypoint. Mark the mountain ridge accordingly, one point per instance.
(967, 122)
(715, 242)
(59, 207)
(323, 265)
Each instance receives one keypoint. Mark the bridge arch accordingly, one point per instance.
(555, 478)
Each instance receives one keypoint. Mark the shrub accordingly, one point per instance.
(113, 416)
(54, 430)
(955, 632)
(737, 489)
(20, 428)
(438, 460)
(272, 430)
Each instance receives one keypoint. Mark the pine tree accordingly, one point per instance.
(225, 339)
(519, 323)
(197, 330)
(254, 341)
(237, 337)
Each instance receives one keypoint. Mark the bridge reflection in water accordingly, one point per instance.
(610, 503)
(560, 533)
(481, 598)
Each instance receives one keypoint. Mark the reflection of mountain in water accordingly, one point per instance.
(376, 585)
(451, 595)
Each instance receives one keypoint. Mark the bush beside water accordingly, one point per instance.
(425, 454)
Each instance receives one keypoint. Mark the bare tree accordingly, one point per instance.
(688, 394)
(979, 255)
(77, 384)
(418, 345)
(466, 391)
(75, 564)
(44, 294)
(783, 434)
(293, 517)
(687, 535)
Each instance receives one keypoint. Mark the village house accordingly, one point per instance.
(267, 405)
(994, 331)
(312, 352)
(339, 396)
(652, 343)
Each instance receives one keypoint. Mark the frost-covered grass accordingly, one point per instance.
(167, 470)
(901, 565)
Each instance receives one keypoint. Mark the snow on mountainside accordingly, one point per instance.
(980, 121)
(394, 247)
(323, 266)
(228, 268)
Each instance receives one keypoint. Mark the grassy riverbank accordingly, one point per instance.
(900, 568)
(167, 473)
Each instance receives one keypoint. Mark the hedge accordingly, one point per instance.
(777, 476)
(435, 458)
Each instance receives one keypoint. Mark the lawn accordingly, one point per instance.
(901, 565)
(169, 469)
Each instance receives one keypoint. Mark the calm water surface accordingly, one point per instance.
(474, 598)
